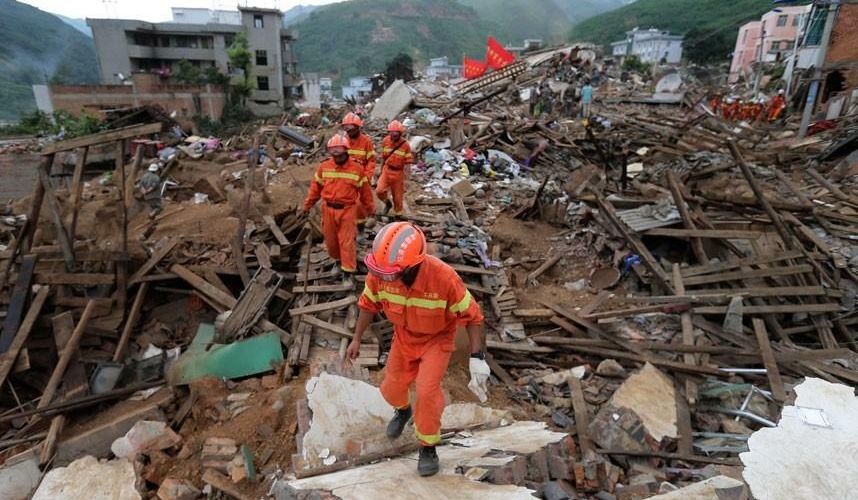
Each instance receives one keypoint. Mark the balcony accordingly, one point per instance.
(175, 53)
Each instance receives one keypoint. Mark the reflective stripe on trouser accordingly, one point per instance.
(424, 365)
(395, 184)
(340, 231)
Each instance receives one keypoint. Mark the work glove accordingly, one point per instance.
(479, 377)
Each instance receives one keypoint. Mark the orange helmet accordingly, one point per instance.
(352, 119)
(395, 126)
(338, 141)
(397, 246)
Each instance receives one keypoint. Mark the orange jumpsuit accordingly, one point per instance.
(425, 317)
(395, 159)
(342, 189)
(775, 107)
(362, 151)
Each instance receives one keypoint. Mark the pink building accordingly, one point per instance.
(775, 32)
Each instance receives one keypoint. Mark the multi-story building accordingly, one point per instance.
(649, 45)
(202, 37)
(359, 88)
(770, 39)
(440, 69)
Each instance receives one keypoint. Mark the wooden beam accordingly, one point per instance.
(582, 419)
(745, 275)
(462, 268)
(531, 278)
(153, 261)
(57, 216)
(679, 201)
(775, 381)
(737, 263)
(93, 279)
(211, 291)
(65, 357)
(342, 287)
(7, 359)
(238, 245)
(275, 230)
(704, 233)
(20, 297)
(35, 206)
(119, 134)
(325, 306)
(324, 325)
(130, 322)
(77, 189)
(776, 309)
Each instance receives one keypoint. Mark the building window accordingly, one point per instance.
(795, 19)
(745, 36)
(261, 58)
(817, 25)
(257, 21)
(262, 82)
(782, 20)
(228, 40)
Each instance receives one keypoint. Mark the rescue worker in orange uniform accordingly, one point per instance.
(395, 159)
(342, 186)
(776, 105)
(426, 301)
(715, 104)
(362, 151)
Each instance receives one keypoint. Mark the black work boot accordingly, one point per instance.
(397, 424)
(388, 206)
(427, 464)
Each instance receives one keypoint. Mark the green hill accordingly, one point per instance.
(579, 10)
(532, 19)
(34, 47)
(361, 36)
(710, 26)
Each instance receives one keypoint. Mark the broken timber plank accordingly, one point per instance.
(153, 260)
(679, 201)
(224, 484)
(774, 309)
(531, 278)
(130, 322)
(324, 325)
(65, 357)
(92, 279)
(686, 322)
(325, 306)
(275, 230)
(342, 287)
(250, 305)
(462, 268)
(20, 296)
(582, 420)
(704, 233)
(7, 358)
(102, 137)
(769, 362)
(743, 275)
(57, 216)
(77, 189)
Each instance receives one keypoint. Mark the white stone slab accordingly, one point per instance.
(87, 478)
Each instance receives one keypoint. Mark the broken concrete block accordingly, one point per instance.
(177, 489)
(143, 437)
(610, 368)
(559, 378)
(717, 488)
(89, 478)
(392, 102)
(554, 490)
(811, 453)
(619, 429)
(17, 481)
(218, 453)
(651, 394)
(463, 188)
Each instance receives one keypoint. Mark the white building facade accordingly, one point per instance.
(650, 46)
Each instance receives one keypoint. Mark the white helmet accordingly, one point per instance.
(781, 91)
(154, 167)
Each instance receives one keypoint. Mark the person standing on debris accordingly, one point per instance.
(426, 301)
(341, 184)
(586, 99)
(362, 151)
(395, 161)
(149, 189)
(776, 105)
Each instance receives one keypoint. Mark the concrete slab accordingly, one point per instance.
(812, 452)
(89, 478)
(350, 415)
(393, 478)
(18, 481)
(651, 394)
(716, 488)
(394, 101)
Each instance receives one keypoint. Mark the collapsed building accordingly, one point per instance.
(669, 299)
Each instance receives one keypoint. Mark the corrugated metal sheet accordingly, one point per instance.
(637, 221)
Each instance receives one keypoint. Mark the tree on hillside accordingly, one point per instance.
(401, 67)
(704, 47)
(240, 57)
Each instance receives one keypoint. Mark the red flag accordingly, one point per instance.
(473, 68)
(496, 56)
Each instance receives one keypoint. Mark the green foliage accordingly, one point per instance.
(34, 45)
(517, 20)
(187, 73)
(579, 10)
(338, 38)
(239, 53)
(634, 63)
(710, 26)
(40, 123)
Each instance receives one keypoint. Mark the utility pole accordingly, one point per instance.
(813, 90)
(760, 60)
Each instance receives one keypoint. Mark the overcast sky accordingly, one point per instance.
(152, 10)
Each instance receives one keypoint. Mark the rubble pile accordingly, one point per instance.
(656, 282)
